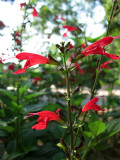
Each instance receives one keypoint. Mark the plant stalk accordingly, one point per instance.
(69, 105)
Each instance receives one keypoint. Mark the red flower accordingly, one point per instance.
(32, 59)
(34, 13)
(69, 28)
(71, 57)
(59, 17)
(11, 66)
(91, 105)
(44, 118)
(21, 5)
(104, 65)
(36, 79)
(70, 46)
(18, 41)
(2, 25)
(63, 19)
(17, 34)
(83, 45)
(80, 71)
(96, 48)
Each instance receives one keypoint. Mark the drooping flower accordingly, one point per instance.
(91, 105)
(21, 5)
(36, 79)
(69, 29)
(11, 66)
(33, 59)
(104, 65)
(80, 71)
(44, 118)
(96, 48)
(34, 13)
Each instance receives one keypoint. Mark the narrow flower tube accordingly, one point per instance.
(69, 29)
(33, 59)
(44, 118)
(91, 105)
(96, 48)
(34, 13)
(105, 65)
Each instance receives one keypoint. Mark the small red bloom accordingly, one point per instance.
(83, 45)
(18, 41)
(21, 5)
(69, 29)
(2, 25)
(11, 66)
(63, 19)
(71, 57)
(59, 17)
(91, 105)
(104, 65)
(32, 59)
(80, 71)
(96, 48)
(34, 13)
(17, 34)
(36, 79)
(70, 46)
(44, 118)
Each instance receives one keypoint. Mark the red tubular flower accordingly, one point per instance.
(104, 65)
(70, 46)
(91, 105)
(18, 41)
(59, 17)
(11, 66)
(33, 59)
(17, 34)
(21, 5)
(71, 57)
(96, 48)
(34, 13)
(44, 118)
(36, 79)
(2, 25)
(83, 45)
(69, 29)
(80, 71)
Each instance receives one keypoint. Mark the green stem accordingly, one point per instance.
(69, 105)
(86, 151)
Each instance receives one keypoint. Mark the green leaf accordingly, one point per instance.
(61, 146)
(7, 128)
(113, 127)
(97, 127)
(24, 87)
(9, 94)
(34, 107)
(88, 134)
(34, 95)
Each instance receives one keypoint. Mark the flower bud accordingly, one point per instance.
(52, 60)
(57, 45)
(61, 114)
(76, 90)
